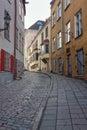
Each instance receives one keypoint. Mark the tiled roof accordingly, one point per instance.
(52, 2)
(37, 25)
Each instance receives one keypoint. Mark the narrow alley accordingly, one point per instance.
(43, 102)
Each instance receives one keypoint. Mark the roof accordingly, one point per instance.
(52, 2)
(37, 25)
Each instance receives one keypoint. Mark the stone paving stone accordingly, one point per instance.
(77, 116)
(62, 103)
(79, 121)
(47, 128)
(64, 122)
(64, 127)
(49, 117)
(63, 108)
(77, 111)
(63, 116)
(48, 123)
(50, 111)
(80, 127)
(51, 108)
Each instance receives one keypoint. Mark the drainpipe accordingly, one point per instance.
(15, 22)
(61, 24)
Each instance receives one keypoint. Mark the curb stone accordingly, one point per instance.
(42, 107)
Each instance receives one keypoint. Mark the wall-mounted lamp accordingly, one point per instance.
(7, 20)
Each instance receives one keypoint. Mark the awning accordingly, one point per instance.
(46, 41)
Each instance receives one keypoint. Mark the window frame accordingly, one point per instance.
(53, 44)
(59, 10)
(7, 31)
(67, 3)
(53, 18)
(67, 28)
(78, 23)
(59, 39)
(46, 32)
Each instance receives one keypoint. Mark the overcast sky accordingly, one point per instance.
(36, 10)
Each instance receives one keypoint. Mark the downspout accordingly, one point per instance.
(61, 25)
(15, 22)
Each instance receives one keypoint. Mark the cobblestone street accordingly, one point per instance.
(43, 102)
(20, 101)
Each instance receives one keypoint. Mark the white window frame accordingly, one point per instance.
(67, 32)
(53, 19)
(59, 10)
(59, 39)
(78, 23)
(67, 2)
(53, 44)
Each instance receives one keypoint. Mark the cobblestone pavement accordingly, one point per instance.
(66, 107)
(20, 101)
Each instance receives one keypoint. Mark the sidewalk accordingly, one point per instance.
(66, 108)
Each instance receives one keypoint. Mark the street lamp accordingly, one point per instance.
(7, 20)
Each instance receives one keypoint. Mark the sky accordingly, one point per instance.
(36, 10)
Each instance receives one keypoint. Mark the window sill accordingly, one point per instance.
(58, 19)
(68, 42)
(78, 36)
(53, 26)
(67, 6)
(7, 39)
(59, 48)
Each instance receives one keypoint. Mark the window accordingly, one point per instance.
(53, 45)
(78, 24)
(42, 37)
(67, 2)
(47, 48)
(53, 19)
(59, 40)
(22, 13)
(68, 32)
(46, 32)
(35, 46)
(59, 10)
(6, 32)
(36, 56)
(21, 10)
(20, 7)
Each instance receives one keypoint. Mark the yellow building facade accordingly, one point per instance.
(38, 51)
(68, 50)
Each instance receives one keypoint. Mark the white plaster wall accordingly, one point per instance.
(20, 26)
(29, 36)
(4, 43)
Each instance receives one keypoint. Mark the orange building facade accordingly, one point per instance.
(68, 51)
